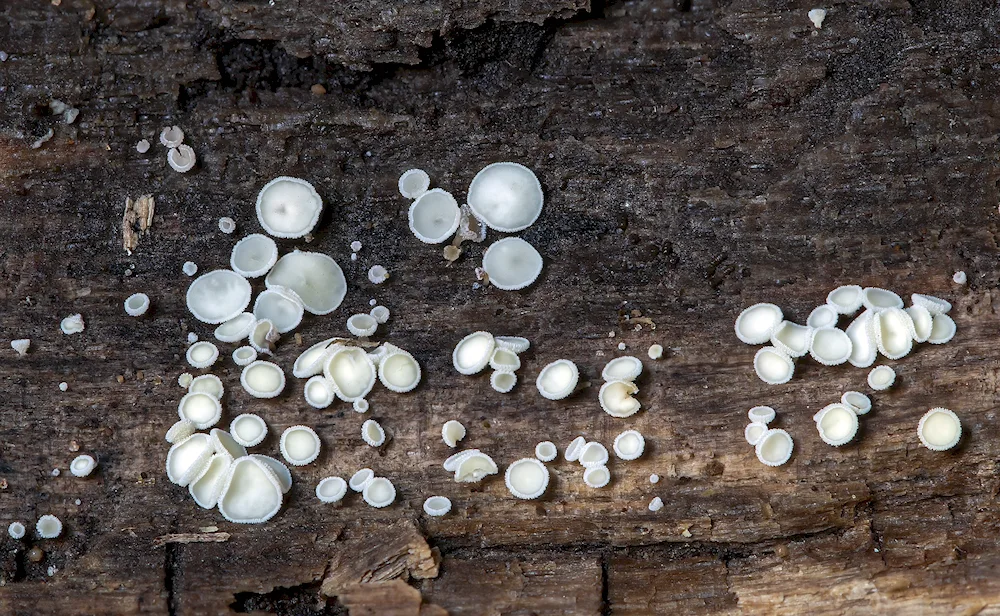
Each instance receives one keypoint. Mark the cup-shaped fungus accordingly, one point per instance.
(263, 336)
(314, 277)
(506, 196)
(474, 466)
(434, 216)
(655, 351)
(254, 255)
(288, 207)
(280, 306)
(251, 493)
(227, 225)
(791, 338)
(504, 360)
(845, 299)
(861, 332)
(379, 493)
(512, 264)
(625, 368)
(473, 352)
(360, 405)
(934, 305)
(656, 504)
(437, 506)
(310, 362)
(877, 300)
(203, 410)
(48, 527)
(73, 324)
(503, 381)
(353, 373)
(184, 380)
(894, 332)
(822, 316)
(319, 391)
(244, 355)
(16, 529)
(209, 384)
(593, 454)
(527, 478)
(279, 469)
(761, 415)
(171, 136)
(226, 445)
(263, 379)
(187, 458)
(881, 378)
(756, 324)
(399, 372)
(942, 329)
(190, 268)
(597, 476)
(331, 489)
(360, 480)
(452, 432)
(830, 346)
(514, 344)
(202, 354)
(21, 346)
(377, 274)
(180, 431)
(182, 158)
(299, 445)
(616, 398)
(774, 447)
(362, 325)
(837, 424)
(629, 445)
(235, 329)
(380, 314)
(546, 451)
(248, 430)
(413, 183)
(573, 450)
(558, 379)
(372, 433)
(753, 432)
(923, 322)
(82, 465)
(207, 486)
(218, 296)
(136, 304)
(857, 401)
(939, 429)
(773, 366)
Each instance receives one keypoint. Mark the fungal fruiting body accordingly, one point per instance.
(16, 530)
(248, 430)
(894, 332)
(82, 465)
(756, 324)
(629, 445)
(188, 457)
(942, 329)
(527, 478)
(379, 492)
(184, 380)
(254, 256)
(190, 268)
(922, 321)
(773, 366)
(472, 353)
(792, 339)
(514, 344)
(280, 471)
(180, 431)
(142, 146)
(48, 527)
(452, 432)
(934, 305)
(227, 225)
(593, 454)
(654, 478)
(171, 136)
(546, 451)
(380, 314)
(861, 333)
(288, 207)
(655, 351)
(822, 316)
(474, 466)
(573, 450)
(244, 355)
(72, 324)
(353, 373)
(436, 506)
(331, 489)
(656, 504)
(311, 361)
(251, 492)
(434, 216)
(774, 447)
(399, 371)
(504, 360)
(837, 424)
(753, 432)
(877, 300)
(319, 392)
(377, 274)
(235, 329)
(939, 429)
(202, 354)
(845, 299)
(207, 486)
(263, 379)
(218, 296)
(182, 158)
(21, 346)
(881, 378)
(816, 16)
(512, 264)
(506, 197)
(412, 183)
(136, 304)
(625, 368)
(761, 415)
(857, 401)
(503, 381)
(314, 277)
(372, 433)
(362, 325)
(360, 405)
(558, 379)
(616, 398)
(959, 277)
(830, 346)
(226, 445)
(360, 480)
(299, 445)
(280, 306)
(597, 476)
(203, 410)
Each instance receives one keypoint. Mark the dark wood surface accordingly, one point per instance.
(696, 157)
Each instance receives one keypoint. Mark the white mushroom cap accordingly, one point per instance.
(656, 504)
(82, 465)
(227, 225)
(251, 492)
(616, 398)
(136, 304)
(190, 268)
(226, 445)
(331, 489)
(360, 480)
(362, 325)
(512, 264)
(142, 146)
(774, 447)
(573, 450)
(16, 530)
(288, 207)
(280, 306)
(506, 196)
(48, 527)
(939, 429)
(209, 384)
(360, 405)
(593, 454)
(380, 314)
(857, 401)
(503, 381)
(203, 410)
(399, 372)
(881, 378)
(629, 445)
(299, 445)
(184, 380)
(248, 430)
(188, 457)
(863, 348)
(597, 476)
(473, 352)
(923, 322)
(474, 467)
(21, 346)
(546, 451)
(527, 478)
(235, 329)
(959, 277)
(756, 323)
(182, 158)
(263, 379)
(452, 432)
(372, 433)
(845, 299)
(180, 431)
(452, 461)
(514, 344)
(263, 336)
(625, 368)
(791, 338)
(822, 316)
(558, 379)
(202, 354)
(279, 469)
(437, 506)
(171, 136)
(934, 305)
(377, 274)
(207, 486)
(761, 414)
(310, 362)
(413, 183)
(319, 391)
(73, 324)
(244, 355)
(504, 360)
(837, 424)
(655, 351)
(894, 332)
(753, 432)
(254, 256)
(943, 329)
(314, 277)
(379, 493)
(773, 366)
(830, 346)
(877, 300)
(353, 373)
(434, 216)
(218, 296)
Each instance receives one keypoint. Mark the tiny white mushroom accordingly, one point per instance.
(188, 457)
(573, 450)
(939, 429)
(527, 478)
(226, 445)
(761, 414)
(655, 351)
(379, 493)
(362, 325)
(263, 336)
(380, 314)
(279, 469)
(360, 405)
(319, 391)
(616, 398)
(280, 306)
(597, 476)
(72, 324)
(593, 454)
(190, 268)
(434, 216)
(830, 346)
(207, 486)
(943, 329)
(558, 379)
(331, 489)
(514, 344)
(816, 16)
(203, 410)
(822, 316)
(857, 401)
(299, 445)
(773, 366)
(171, 136)
(845, 299)
(503, 381)
(227, 225)
(16, 530)
(774, 447)
(353, 373)
(546, 451)
(180, 431)
(629, 445)
(959, 278)
(753, 432)
(248, 430)
(254, 256)
(881, 378)
(142, 146)
(372, 433)
(934, 305)
(360, 480)
(504, 360)
(377, 274)
(877, 300)
(656, 504)
(82, 465)
(184, 380)
(355, 246)
(48, 527)
(512, 264)
(21, 346)
(63, 386)
(263, 379)
(792, 339)
(413, 183)
(452, 432)
(244, 355)
(310, 362)
(474, 467)
(136, 304)
(182, 158)
(626, 368)
(202, 354)
(654, 478)
(506, 196)
(399, 371)
(192, 337)
(473, 352)
(837, 424)
(894, 332)
(864, 350)
(218, 296)
(437, 506)
(314, 277)
(288, 207)
(756, 324)
(235, 329)
(251, 492)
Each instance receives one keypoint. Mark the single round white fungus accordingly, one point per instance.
(761, 415)
(288, 207)
(656, 504)
(923, 322)
(452, 432)
(63, 386)
(254, 255)
(82, 465)
(218, 296)
(877, 300)
(184, 380)
(319, 391)
(504, 360)
(188, 457)
(21, 346)
(514, 344)
(753, 432)
(203, 410)
(190, 268)
(192, 337)
(380, 314)
(331, 489)
(503, 381)
(593, 454)
(830, 346)
(244, 355)
(209, 384)
(473, 353)
(16, 530)
(248, 430)
(355, 246)
(546, 451)
(281, 306)
(792, 339)
(251, 492)
(372, 433)
(360, 480)
(48, 527)
(959, 278)
(227, 225)
(774, 447)
(845, 299)
(629, 445)
(527, 478)
(512, 264)
(756, 324)
(573, 450)
(202, 354)
(235, 329)
(506, 197)
(379, 493)
(654, 478)
(939, 429)
(72, 324)
(171, 136)
(437, 506)
(434, 216)
(263, 379)
(943, 329)
(558, 379)
(137, 304)
(360, 405)
(310, 362)
(857, 401)
(655, 351)
(142, 146)
(377, 274)
(823, 316)
(362, 325)
(881, 378)
(474, 466)
(182, 158)
(626, 368)
(616, 398)
(299, 445)
(413, 183)
(353, 373)
(399, 372)
(837, 424)
(314, 277)
(863, 348)
(597, 476)
(773, 366)
(894, 332)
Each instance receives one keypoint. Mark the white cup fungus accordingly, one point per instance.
(863, 348)
(593, 454)
(279, 469)
(934, 305)
(182, 158)
(761, 414)
(226, 445)
(171, 136)
(248, 430)
(452, 432)
(372, 433)
(837, 424)
(379, 493)
(857, 401)
(180, 431)
(597, 476)
(263, 336)
(753, 432)
(331, 489)
(48, 527)
(629, 445)
(280, 306)
(362, 325)
(360, 405)
(251, 492)
(512, 264)
(360, 480)
(504, 360)
(822, 316)
(202, 354)
(437, 506)
(573, 450)
(830, 346)
(474, 466)
(244, 355)
(209, 384)
(319, 392)
(506, 197)
(626, 368)
(774, 447)
(773, 366)
(434, 216)
(792, 339)
(236, 328)
(188, 457)
(16, 530)
(656, 504)
(877, 300)
(881, 378)
(136, 304)
(894, 332)
(503, 381)
(299, 445)
(756, 324)
(616, 398)
(207, 486)
(314, 277)
(254, 256)
(514, 344)
(82, 465)
(73, 324)
(288, 207)
(218, 296)
(939, 429)
(21, 346)
(353, 373)
(943, 329)
(227, 225)
(263, 379)
(558, 380)
(527, 478)
(203, 410)
(412, 183)
(923, 322)
(399, 372)
(845, 299)
(310, 362)
(472, 354)
(380, 314)
(546, 451)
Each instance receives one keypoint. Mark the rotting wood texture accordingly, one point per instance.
(697, 157)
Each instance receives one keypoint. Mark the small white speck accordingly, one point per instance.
(63, 386)
(355, 246)
(227, 225)
(372, 302)
(654, 478)
(55, 472)
(190, 268)
(354, 256)
(656, 504)
(611, 334)
(621, 346)
(368, 153)
(378, 274)
(655, 351)
(78, 502)
(3, 56)
(52, 570)
(192, 337)
(142, 147)
(817, 16)
(960, 278)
